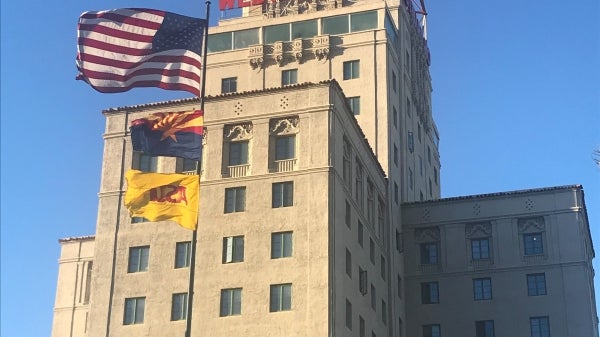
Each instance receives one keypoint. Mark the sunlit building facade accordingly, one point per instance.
(320, 158)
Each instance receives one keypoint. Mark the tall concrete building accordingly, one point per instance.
(320, 174)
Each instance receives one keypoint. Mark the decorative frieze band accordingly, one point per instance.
(536, 224)
(294, 51)
(236, 132)
(475, 230)
(427, 234)
(284, 126)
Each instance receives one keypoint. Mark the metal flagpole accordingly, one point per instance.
(188, 329)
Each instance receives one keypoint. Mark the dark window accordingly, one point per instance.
(432, 330)
(482, 289)
(372, 251)
(281, 245)
(186, 165)
(139, 219)
(138, 259)
(238, 153)
(533, 244)
(484, 329)
(134, 310)
(373, 297)
(429, 253)
(179, 307)
(362, 281)
(430, 293)
(235, 199)
(289, 77)
(283, 194)
(228, 85)
(394, 81)
(231, 302)
(144, 162)
(281, 297)
(351, 69)
(395, 155)
(347, 167)
(536, 284)
(348, 217)
(348, 315)
(540, 326)
(384, 312)
(360, 233)
(233, 249)
(359, 192)
(285, 147)
(354, 103)
(183, 254)
(395, 117)
(382, 261)
(361, 326)
(348, 263)
(480, 249)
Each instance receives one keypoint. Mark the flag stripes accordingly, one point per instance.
(126, 48)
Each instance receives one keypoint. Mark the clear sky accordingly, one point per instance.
(516, 98)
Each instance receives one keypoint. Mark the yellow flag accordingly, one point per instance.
(159, 196)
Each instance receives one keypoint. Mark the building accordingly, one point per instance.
(318, 130)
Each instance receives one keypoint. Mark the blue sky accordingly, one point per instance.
(516, 98)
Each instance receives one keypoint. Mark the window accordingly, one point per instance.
(480, 249)
(382, 261)
(406, 61)
(351, 69)
(419, 131)
(429, 253)
(179, 307)
(384, 312)
(410, 142)
(348, 217)
(394, 81)
(360, 233)
(430, 188)
(362, 281)
(285, 147)
(411, 179)
(186, 165)
(348, 263)
(435, 175)
(276, 33)
(432, 330)
(421, 165)
(484, 329)
(238, 153)
(347, 166)
(408, 109)
(395, 155)
(533, 244)
(354, 103)
(371, 202)
(281, 245)
(348, 314)
(283, 194)
(138, 259)
(335, 25)
(380, 217)
(358, 193)
(399, 247)
(395, 117)
(144, 162)
(289, 77)
(281, 297)
(361, 326)
(228, 85)
(540, 326)
(134, 310)
(183, 254)
(482, 289)
(373, 298)
(139, 219)
(235, 199)
(304, 29)
(231, 302)
(428, 154)
(430, 293)
(396, 193)
(363, 21)
(233, 249)
(536, 284)
(372, 251)
(245, 38)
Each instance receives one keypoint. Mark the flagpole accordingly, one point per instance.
(190, 302)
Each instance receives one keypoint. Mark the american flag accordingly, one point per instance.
(122, 49)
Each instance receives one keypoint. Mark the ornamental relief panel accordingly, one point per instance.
(478, 230)
(284, 126)
(530, 225)
(237, 132)
(427, 234)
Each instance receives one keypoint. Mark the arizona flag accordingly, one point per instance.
(172, 134)
(158, 197)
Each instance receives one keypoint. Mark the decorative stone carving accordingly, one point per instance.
(237, 132)
(478, 230)
(284, 126)
(256, 56)
(536, 224)
(427, 234)
(297, 50)
(278, 52)
(321, 46)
